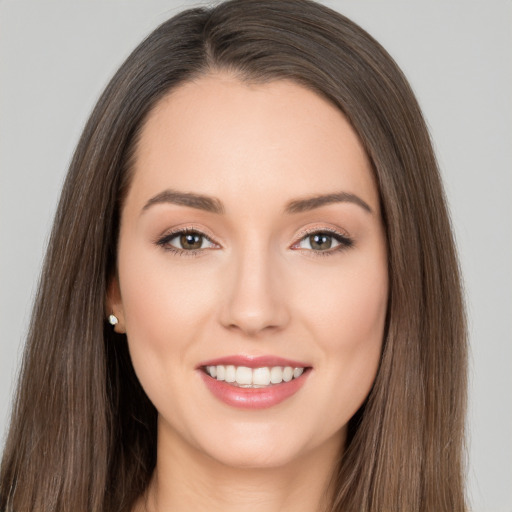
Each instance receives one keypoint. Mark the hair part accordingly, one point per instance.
(83, 432)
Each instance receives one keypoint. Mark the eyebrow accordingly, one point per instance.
(214, 205)
(310, 203)
(198, 201)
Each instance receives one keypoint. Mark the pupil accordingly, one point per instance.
(191, 241)
(320, 241)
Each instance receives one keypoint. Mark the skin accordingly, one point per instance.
(256, 287)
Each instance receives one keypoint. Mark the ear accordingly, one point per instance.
(114, 304)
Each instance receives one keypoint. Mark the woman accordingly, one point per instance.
(251, 296)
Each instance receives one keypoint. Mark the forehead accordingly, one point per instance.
(220, 136)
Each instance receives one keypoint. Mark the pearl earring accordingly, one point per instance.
(112, 319)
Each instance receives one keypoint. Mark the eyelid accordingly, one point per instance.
(344, 239)
(321, 229)
(185, 228)
(163, 239)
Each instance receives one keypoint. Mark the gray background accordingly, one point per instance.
(56, 57)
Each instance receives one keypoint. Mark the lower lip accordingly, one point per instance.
(253, 398)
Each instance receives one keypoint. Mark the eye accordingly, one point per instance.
(186, 240)
(324, 241)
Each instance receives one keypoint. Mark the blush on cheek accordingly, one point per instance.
(355, 316)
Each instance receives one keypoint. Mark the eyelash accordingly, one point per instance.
(164, 242)
(344, 242)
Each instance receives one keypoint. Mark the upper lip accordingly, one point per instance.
(253, 361)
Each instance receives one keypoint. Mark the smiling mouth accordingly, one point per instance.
(245, 377)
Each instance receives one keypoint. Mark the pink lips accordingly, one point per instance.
(253, 398)
(254, 361)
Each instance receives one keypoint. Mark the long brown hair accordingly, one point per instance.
(83, 433)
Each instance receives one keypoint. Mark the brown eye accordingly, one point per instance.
(320, 241)
(324, 241)
(191, 241)
(186, 241)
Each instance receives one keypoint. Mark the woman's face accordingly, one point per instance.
(251, 241)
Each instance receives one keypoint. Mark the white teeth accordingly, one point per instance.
(297, 372)
(287, 373)
(261, 376)
(276, 375)
(243, 376)
(221, 372)
(230, 373)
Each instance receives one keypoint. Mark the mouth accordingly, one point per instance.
(253, 378)
(253, 382)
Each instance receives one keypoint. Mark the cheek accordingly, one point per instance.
(348, 310)
(159, 294)
(347, 320)
(360, 308)
(163, 306)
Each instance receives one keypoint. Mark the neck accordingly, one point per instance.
(186, 479)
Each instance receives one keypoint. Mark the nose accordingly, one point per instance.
(254, 297)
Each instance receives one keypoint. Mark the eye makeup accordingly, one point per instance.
(317, 237)
(186, 236)
(190, 242)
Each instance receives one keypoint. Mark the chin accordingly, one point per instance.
(257, 446)
(249, 456)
